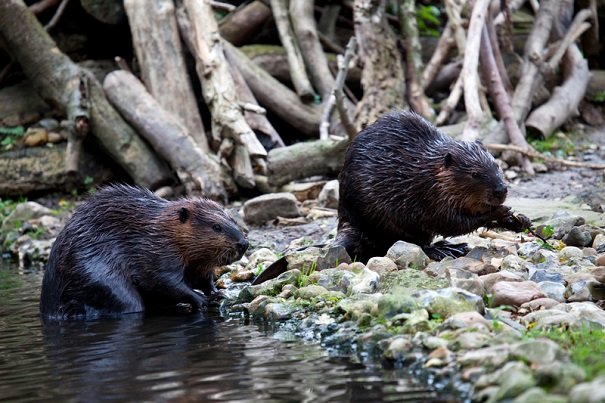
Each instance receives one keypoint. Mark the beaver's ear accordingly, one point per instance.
(448, 160)
(481, 144)
(183, 214)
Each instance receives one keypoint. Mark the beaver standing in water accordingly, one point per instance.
(403, 179)
(126, 250)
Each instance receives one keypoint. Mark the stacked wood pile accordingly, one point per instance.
(210, 109)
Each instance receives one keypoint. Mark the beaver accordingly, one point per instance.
(403, 179)
(127, 250)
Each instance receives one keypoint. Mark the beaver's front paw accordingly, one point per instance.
(515, 223)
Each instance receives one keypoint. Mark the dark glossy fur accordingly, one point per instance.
(126, 250)
(403, 179)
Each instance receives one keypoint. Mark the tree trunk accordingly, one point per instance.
(382, 78)
(155, 37)
(56, 77)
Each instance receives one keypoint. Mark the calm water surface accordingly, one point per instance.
(197, 358)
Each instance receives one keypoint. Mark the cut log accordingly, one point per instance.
(565, 99)
(275, 96)
(56, 77)
(155, 37)
(42, 169)
(165, 134)
(241, 25)
(213, 71)
(302, 160)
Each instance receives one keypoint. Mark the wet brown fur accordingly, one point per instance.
(403, 179)
(126, 250)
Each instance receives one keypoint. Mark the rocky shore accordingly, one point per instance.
(517, 319)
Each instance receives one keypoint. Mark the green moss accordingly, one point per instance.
(411, 279)
(558, 145)
(586, 347)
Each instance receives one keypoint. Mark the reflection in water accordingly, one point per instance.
(176, 358)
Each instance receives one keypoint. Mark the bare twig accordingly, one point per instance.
(450, 103)
(337, 96)
(222, 6)
(40, 6)
(53, 21)
(122, 64)
(444, 46)
(577, 28)
(533, 154)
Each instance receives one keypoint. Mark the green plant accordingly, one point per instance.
(259, 269)
(428, 19)
(585, 346)
(10, 136)
(599, 97)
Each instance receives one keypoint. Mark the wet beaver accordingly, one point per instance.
(403, 179)
(127, 250)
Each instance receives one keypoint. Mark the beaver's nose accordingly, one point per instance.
(242, 245)
(500, 191)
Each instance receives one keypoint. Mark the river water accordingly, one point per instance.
(197, 358)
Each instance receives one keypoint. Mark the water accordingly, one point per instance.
(198, 358)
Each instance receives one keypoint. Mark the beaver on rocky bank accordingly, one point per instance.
(403, 179)
(126, 250)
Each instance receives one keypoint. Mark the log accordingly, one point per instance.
(218, 87)
(302, 160)
(275, 96)
(382, 78)
(241, 25)
(42, 169)
(56, 77)
(565, 99)
(316, 62)
(165, 134)
(106, 11)
(301, 82)
(155, 38)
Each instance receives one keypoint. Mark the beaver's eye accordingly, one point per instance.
(475, 175)
(217, 228)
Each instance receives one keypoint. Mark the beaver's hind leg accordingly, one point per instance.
(442, 249)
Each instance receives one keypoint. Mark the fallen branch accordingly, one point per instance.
(337, 96)
(57, 16)
(301, 82)
(444, 46)
(243, 23)
(533, 154)
(165, 133)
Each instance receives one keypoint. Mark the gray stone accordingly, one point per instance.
(577, 237)
(539, 351)
(578, 287)
(471, 341)
(358, 306)
(381, 265)
(599, 241)
(278, 311)
(514, 263)
(539, 275)
(562, 375)
(447, 302)
(528, 248)
(407, 255)
(563, 222)
(269, 287)
(418, 321)
(24, 212)
(589, 392)
(398, 348)
(492, 357)
(365, 282)
(504, 275)
(311, 291)
(336, 279)
(270, 206)
(464, 320)
(570, 253)
(262, 256)
(540, 303)
(515, 293)
(538, 395)
(514, 378)
(328, 197)
(553, 290)
(465, 280)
